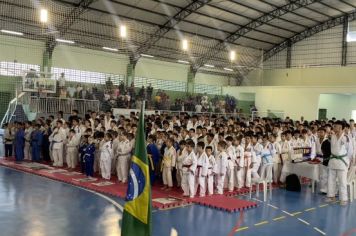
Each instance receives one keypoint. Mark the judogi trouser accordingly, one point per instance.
(284, 174)
(255, 168)
(239, 177)
(210, 180)
(113, 165)
(188, 182)
(200, 182)
(167, 176)
(27, 150)
(277, 170)
(72, 157)
(247, 171)
(323, 178)
(57, 154)
(179, 175)
(122, 167)
(220, 183)
(97, 161)
(230, 176)
(105, 166)
(341, 176)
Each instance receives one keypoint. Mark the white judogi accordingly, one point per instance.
(323, 169)
(115, 145)
(220, 170)
(107, 122)
(123, 160)
(57, 138)
(168, 162)
(338, 167)
(106, 155)
(256, 161)
(72, 151)
(267, 155)
(210, 177)
(27, 148)
(239, 166)
(201, 173)
(231, 158)
(249, 155)
(179, 165)
(287, 152)
(189, 168)
(277, 162)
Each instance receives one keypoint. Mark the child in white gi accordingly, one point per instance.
(189, 167)
(106, 155)
(256, 159)
(202, 169)
(57, 138)
(181, 154)
(168, 162)
(124, 149)
(72, 149)
(249, 155)
(221, 166)
(211, 169)
(231, 158)
(267, 155)
(239, 163)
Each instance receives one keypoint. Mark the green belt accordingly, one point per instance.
(341, 158)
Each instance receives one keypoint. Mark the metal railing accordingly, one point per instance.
(11, 108)
(52, 105)
(269, 113)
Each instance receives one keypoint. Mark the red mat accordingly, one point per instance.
(161, 199)
(222, 202)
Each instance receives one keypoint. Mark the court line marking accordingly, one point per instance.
(310, 209)
(324, 205)
(287, 213)
(262, 223)
(279, 218)
(241, 229)
(296, 213)
(257, 199)
(307, 223)
(320, 231)
(272, 206)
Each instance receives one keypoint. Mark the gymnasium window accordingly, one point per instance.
(16, 69)
(208, 89)
(169, 85)
(81, 76)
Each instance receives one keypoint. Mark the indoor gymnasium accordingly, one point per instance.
(177, 117)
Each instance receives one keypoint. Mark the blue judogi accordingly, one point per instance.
(89, 159)
(19, 144)
(82, 149)
(153, 155)
(36, 143)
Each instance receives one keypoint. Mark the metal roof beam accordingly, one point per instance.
(294, 13)
(310, 32)
(252, 25)
(218, 19)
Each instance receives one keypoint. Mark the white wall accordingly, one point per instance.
(161, 70)
(21, 50)
(89, 60)
(337, 105)
(72, 57)
(295, 101)
(201, 78)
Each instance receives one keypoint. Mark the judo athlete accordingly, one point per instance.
(36, 143)
(89, 158)
(341, 154)
(19, 143)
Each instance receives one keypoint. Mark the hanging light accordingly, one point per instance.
(123, 31)
(185, 45)
(232, 55)
(43, 16)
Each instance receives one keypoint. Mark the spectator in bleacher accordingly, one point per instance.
(122, 87)
(109, 85)
(79, 88)
(61, 81)
(149, 92)
(142, 93)
(71, 91)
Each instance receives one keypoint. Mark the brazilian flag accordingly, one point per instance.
(137, 212)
